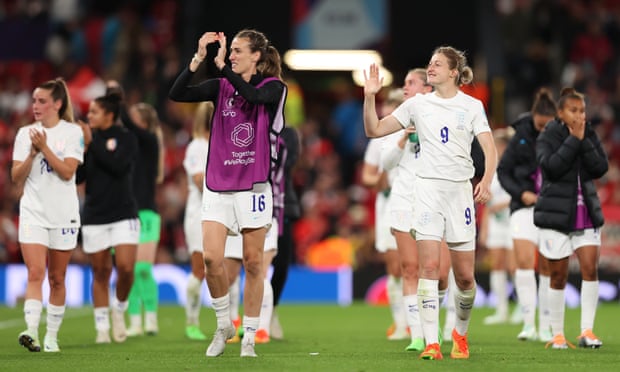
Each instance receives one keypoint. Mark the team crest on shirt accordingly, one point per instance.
(59, 147)
(111, 144)
(229, 110)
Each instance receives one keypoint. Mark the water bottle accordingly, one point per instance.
(413, 137)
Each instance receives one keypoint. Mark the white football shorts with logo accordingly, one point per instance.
(62, 239)
(498, 231)
(384, 240)
(400, 209)
(522, 225)
(97, 238)
(240, 209)
(556, 245)
(444, 209)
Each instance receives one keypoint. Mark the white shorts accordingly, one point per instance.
(239, 210)
(62, 239)
(400, 209)
(556, 245)
(97, 238)
(234, 243)
(271, 239)
(444, 209)
(522, 225)
(234, 247)
(384, 240)
(498, 234)
(193, 236)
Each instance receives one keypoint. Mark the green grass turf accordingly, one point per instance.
(346, 339)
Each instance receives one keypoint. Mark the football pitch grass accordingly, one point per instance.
(317, 338)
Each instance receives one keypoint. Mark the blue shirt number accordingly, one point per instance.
(467, 216)
(444, 135)
(258, 203)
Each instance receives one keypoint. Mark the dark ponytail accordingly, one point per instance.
(111, 102)
(569, 93)
(544, 103)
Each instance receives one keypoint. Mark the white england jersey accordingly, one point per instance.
(48, 201)
(446, 128)
(373, 151)
(375, 148)
(406, 170)
(390, 141)
(195, 162)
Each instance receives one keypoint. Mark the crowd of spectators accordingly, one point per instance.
(553, 43)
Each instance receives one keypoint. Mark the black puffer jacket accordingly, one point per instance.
(563, 158)
(517, 167)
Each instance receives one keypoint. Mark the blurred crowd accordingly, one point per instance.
(551, 43)
(570, 43)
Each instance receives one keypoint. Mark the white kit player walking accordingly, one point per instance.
(195, 163)
(495, 235)
(375, 176)
(237, 197)
(446, 122)
(403, 157)
(45, 159)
